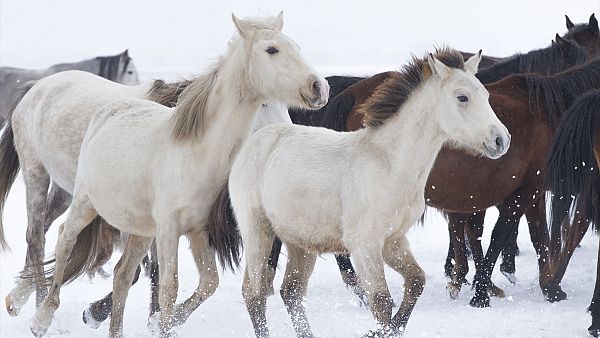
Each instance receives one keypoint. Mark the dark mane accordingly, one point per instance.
(546, 61)
(391, 95)
(167, 94)
(109, 65)
(557, 92)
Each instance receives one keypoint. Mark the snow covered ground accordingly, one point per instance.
(179, 37)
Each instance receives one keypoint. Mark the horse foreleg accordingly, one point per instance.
(456, 228)
(167, 243)
(273, 260)
(135, 250)
(398, 256)
(81, 214)
(204, 257)
(299, 267)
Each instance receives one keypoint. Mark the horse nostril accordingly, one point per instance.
(498, 142)
(316, 87)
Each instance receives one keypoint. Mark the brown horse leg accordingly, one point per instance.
(449, 265)
(272, 264)
(299, 267)
(456, 227)
(508, 266)
(556, 267)
(510, 213)
(350, 279)
(594, 308)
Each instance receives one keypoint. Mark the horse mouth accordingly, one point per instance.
(311, 103)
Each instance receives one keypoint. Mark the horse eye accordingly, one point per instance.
(462, 98)
(129, 72)
(272, 50)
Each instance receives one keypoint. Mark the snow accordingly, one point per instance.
(179, 37)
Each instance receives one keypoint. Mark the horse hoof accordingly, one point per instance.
(89, 320)
(594, 331)
(453, 290)
(555, 294)
(37, 329)
(511, 276)
(494, 291)
(11, 307)
(480, 303)
(384, 333)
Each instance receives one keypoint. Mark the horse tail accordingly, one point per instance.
(223, 234)
(9, 159)
(84, 254)
(572, 168)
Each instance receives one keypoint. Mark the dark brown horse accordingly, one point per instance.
(573, 170)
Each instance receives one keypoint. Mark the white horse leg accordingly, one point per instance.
(37, 181)
(398, 256)
(368, 262)
(135, 250)
(299, 267)
(58, 202)
(80, 215)
(258, 240)
(167, 243)
(204, 257)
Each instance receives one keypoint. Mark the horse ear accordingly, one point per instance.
(593, 25)
(239, 25)
(279, 22)
(570, 24)
(472, 64)
(560, 41)
(437, 67)
(125, 53)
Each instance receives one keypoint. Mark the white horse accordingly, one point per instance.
(152, 171)
(324, 191)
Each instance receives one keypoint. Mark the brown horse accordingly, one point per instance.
(572, 170)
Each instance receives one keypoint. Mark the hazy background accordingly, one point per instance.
(341, 37)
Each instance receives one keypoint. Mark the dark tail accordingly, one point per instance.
(223, 234)
(572, 169)
(83, 256)
(9, 160)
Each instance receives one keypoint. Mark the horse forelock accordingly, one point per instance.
(389, 97)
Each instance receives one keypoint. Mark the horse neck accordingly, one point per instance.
(91, 65)
(411, 139)
(499, 70)
(230, 112)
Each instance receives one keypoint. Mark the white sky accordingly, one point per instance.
(341, 37)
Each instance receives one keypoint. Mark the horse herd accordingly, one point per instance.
(221, 160)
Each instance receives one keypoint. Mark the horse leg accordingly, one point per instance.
(474, 234)
(80, 215)
(594, 308)
(108, 234)
(208, 282)
(510, 213)
(58, 202)
(555, 267)
(98, 311)
(350, 279)
(299, 267)
(154, 280)
(398, 256)
(456, 228)
(368, 261)
(273, 261)
(37, 182)
(449, 265)
(258, 240)
(508, 266)
(135, 250)
(167, 243)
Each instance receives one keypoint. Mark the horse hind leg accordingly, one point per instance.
(255, 230)
(81, 214)
(37, 182)
(208, 282)
(58, 202)
(398, 256)
(299, 267)
(135, 250)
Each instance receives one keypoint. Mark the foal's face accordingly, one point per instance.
(466, 115)
(277, 69)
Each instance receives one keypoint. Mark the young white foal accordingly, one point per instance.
(325, 191)
(152, 171)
